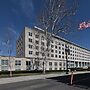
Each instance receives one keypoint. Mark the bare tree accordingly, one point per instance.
(54, 19)
(8, 43)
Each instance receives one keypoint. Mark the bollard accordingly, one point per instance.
(71, 82)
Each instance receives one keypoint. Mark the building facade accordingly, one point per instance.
(32, 44)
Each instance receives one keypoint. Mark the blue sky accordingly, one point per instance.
(15, 14)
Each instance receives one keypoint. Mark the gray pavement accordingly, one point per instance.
(34, 77)
(40, 84)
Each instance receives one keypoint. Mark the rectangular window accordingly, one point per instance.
(30, 52)
(60, 63)
(55, 68)
(56, 56)
(62, 44)
(63, 64)
(48, 54)
(62, 52)
(30, 40)
(37, 42)
(30, 46)
(30, 34)
(43, 54)
(42, 38)
(37, 47)
(62, 48)
(42, 48)
(56, 47)
(36, 36)
(4, 65)
(50, 68)
(62, 56)
(59, 47)
(4, 68)
(55, 51)
(4, 62)
(52, 46)
(37, 53)
(50, 63)
(59, 56)
(18, 62)
(52, 55)
(55, 63)
(52, 50)
(42, 43)
(59, 52)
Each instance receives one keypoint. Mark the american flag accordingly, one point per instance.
(84, 25)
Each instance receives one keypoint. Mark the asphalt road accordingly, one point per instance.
(55, 83)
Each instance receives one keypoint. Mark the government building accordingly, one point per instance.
(31, 52)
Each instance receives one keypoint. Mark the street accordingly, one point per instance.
(81, 82)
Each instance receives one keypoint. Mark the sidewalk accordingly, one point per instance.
(26, 78)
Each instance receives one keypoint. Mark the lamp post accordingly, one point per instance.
(67, 52)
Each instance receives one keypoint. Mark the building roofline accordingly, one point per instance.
(63, 39)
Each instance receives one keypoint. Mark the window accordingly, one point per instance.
(59, 52)
(63, 64)
(42, 48)
(18, 65)
(52, 50)
(42, 38)
(30, 34)
(37, 42)
(55, 63)
(56, 47)
(42, 43)
(62, 44)
(36, 36)
(52, 41)
(30, 52)
(52, 46)
(43, 54)
(30, 40)
(56, 56)
(37, 47)
(62, 56)
(59, 47)
(48, 54)
(4, 68)
(60, 63)
(62, 48)
(52, 55)
(30, 46)
(17, 62)
(59, 43)
(50, 63)
(50, 68)
(62, 52)
(59, 56)
(55, 51)
(55, 68)
(37, 53)
(4, 62)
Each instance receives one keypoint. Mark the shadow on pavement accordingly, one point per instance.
(80, 80)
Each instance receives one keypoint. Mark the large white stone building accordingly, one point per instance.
(32, 45)
(31, 52)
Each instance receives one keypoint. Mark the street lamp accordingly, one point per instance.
(67, 52)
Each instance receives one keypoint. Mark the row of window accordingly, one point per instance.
(56, 63)
(6, 62)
